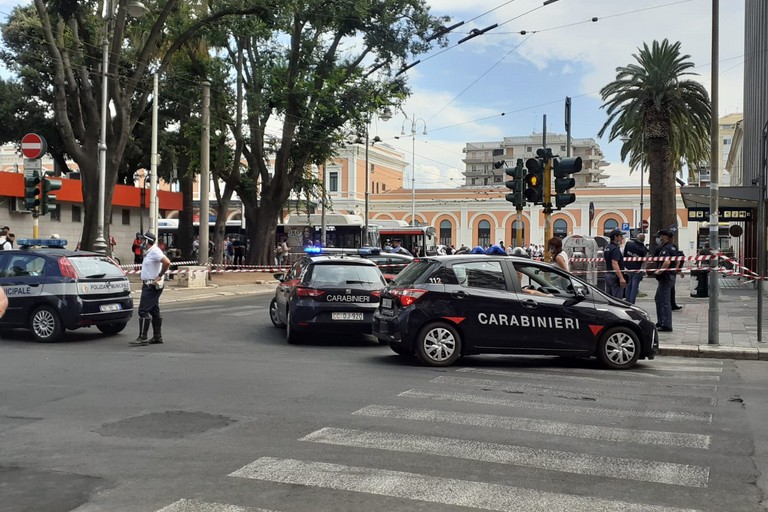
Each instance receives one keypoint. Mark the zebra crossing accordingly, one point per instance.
(527, 430)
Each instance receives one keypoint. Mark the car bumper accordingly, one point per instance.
(82, 313)
(312, 319)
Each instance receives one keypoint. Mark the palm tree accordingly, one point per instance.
(664, 118)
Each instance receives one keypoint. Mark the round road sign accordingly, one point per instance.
(33, 146)
(645, 224)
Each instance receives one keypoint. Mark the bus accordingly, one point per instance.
(343, 231)
(168, 229)
(419, 240)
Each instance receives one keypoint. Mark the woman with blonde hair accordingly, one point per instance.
(559, 257)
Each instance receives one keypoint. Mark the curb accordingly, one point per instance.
(715, 352)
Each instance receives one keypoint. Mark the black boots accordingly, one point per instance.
(143, 330)
(157, 335)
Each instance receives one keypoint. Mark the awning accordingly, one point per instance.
(736, 197)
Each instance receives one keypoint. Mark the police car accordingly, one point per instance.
(51, 289)
(441, 308)
(327, 292)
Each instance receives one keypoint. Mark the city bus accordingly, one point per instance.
(168, 229)
(344, 231)
(419, 240)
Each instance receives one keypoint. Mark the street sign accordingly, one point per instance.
(33, 146)
(591, 211)
(625, 226)
(31, 165)
(725, 214)
(645, 224)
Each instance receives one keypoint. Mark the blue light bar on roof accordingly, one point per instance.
(41, 242)
(362, 251)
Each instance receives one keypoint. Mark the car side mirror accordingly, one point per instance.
(279, 276)
(581, 292)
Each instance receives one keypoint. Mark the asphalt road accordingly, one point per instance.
(226, 416)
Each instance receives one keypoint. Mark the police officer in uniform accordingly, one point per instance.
(153, 268)
(614, 265)
(635, 248)
(666, 279)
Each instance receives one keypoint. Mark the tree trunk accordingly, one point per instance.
(186, 232)
(662, 182)
(260, 226)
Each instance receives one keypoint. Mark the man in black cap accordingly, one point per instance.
(666, 280)
(153, 268)
(399, 249)
(614, 265)
(635, 248)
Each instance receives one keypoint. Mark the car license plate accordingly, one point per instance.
(110, 307)
(346, 316)
(386, 303)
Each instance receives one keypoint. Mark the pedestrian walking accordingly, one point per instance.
(635, 248)
(155, 265)
(614, 265)
(666, 280)
(559, 257)
(136, 249)
(5, 242)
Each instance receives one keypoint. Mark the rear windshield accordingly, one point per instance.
(95, 267)
(346, 274)
(418, 271)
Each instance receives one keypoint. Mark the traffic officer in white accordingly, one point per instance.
(154, 266)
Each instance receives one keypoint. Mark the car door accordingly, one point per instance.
(556, 312)
(21, 274)
(480, 299)
(292, 278)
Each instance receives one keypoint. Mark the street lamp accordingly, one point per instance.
(385, 116)
(135, 9)
(414, 121)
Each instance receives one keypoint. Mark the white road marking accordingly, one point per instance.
(551, 460)
(446, 491)
(546, 375)
(632, 373)
(185, 505)
(687, 368)
(672, 416)
(557, 428)
(570, 391)
(240, 313)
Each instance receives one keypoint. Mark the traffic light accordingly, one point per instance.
(534, 180)
(32, 192)
(563, 168)
(517, 174)
(48, 202)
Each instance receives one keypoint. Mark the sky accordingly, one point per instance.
(461, 94)
(502, 83)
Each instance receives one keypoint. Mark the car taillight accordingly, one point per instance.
(302, 291)
(66, 268)
(376, 293)
(408, 296)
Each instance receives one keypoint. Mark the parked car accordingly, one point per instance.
(51, 289)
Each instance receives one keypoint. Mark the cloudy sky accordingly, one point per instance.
(502, 83)
(462, 93)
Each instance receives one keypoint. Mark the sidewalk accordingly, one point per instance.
(738, 312)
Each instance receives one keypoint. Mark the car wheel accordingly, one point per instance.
(274, 314)
(111, 328)
(438, 344)
(619, 348)
(46, 325)
(290, 333)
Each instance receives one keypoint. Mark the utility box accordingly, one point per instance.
(192, 276)
(578, 246)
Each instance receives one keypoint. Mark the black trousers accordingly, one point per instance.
(149, 303)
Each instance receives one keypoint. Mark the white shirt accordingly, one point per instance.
(564, 257)
(5, 244)
(153, 262)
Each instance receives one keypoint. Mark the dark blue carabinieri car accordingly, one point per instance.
(441, 308)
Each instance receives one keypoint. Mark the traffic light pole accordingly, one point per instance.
(519, 230)
(547, 192)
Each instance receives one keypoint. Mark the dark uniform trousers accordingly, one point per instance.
(663, 299)
(149, 303)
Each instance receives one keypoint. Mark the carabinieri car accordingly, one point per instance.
(441, 308)
(333, 293)
(51, 289)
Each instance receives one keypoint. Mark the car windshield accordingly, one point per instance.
(95, 267)
(329, 275)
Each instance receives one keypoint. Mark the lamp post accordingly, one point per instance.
(135, 9)
(385, 116)
(414, 121)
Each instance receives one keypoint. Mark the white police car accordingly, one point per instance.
(51, 289)
(441, 308)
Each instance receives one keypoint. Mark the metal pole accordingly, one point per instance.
(547, 191)
(714, 221)
(413, 170)
(761, 234)
(323, 239)
(205, 155)
(642, 183)
(153, 206)
(100, 244)
(519, 228)
(367, 185)
(567, 126)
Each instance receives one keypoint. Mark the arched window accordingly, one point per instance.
(484, 233)
(560, 228)
(515, 226)
(609, 226)
(445, 232)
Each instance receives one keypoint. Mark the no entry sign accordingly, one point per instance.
(33, 146)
